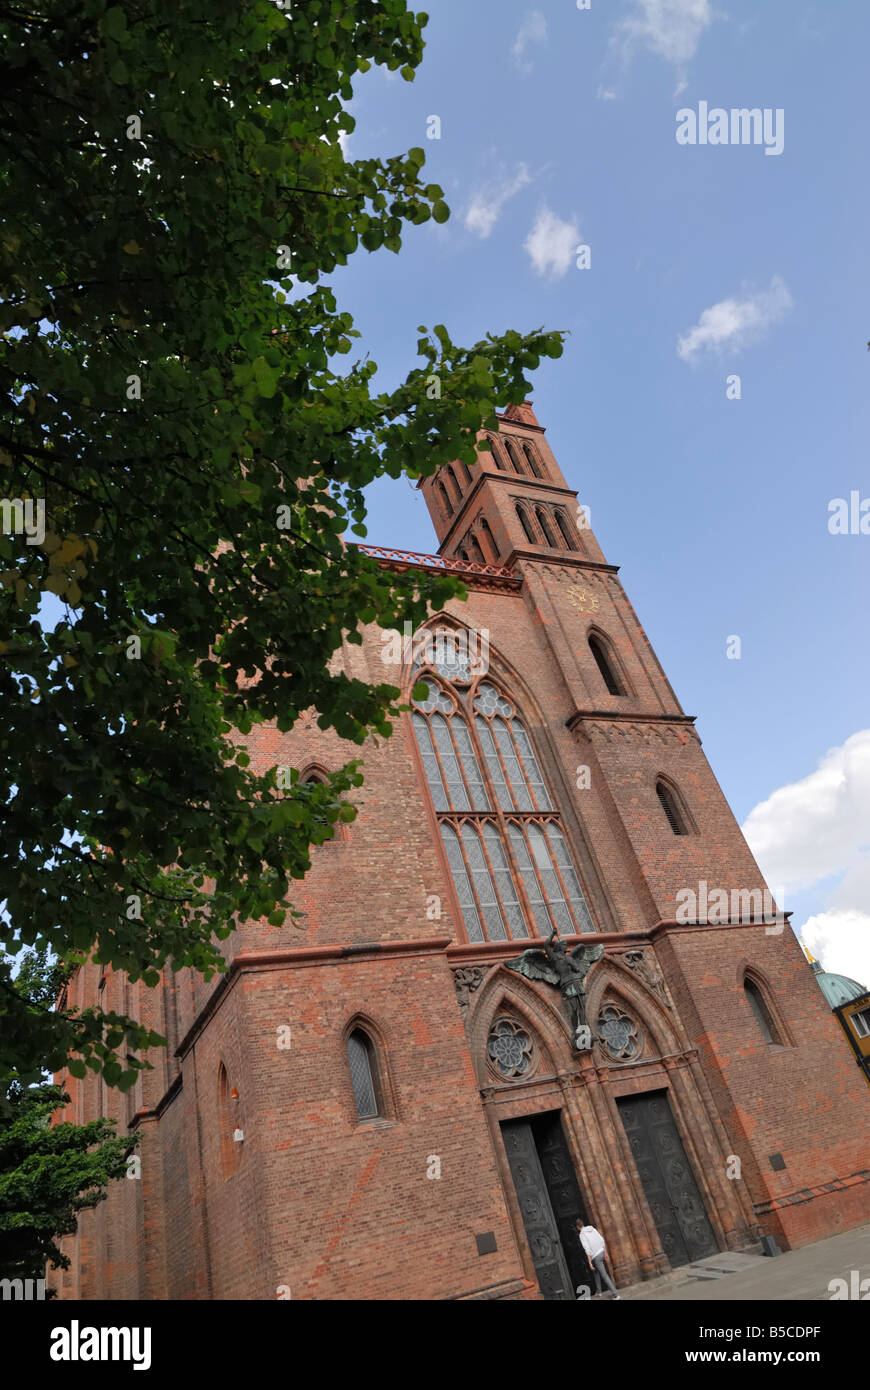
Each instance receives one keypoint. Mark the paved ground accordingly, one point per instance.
(797, 1274)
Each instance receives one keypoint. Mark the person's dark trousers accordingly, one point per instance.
(601, 1273)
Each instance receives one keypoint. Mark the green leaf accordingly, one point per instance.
(114, 23)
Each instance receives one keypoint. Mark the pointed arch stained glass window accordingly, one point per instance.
(507, 852)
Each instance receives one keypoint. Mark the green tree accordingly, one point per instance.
(174, 192)
(47, 1173)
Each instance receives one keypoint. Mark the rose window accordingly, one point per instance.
(619, 1034)
(509, 1049)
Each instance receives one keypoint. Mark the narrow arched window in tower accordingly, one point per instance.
(527, 526)
(605, 665)
(545, 527)
(532, 460)
(670, 801)
(452, 476)
(362, 1063)
(467, 471)
(445, 499)
(507, 852)
(491, 546)
(514, 456)
(565, 529)
(476, 551)
(497, 457)
(227, 1121)
(763, 1016)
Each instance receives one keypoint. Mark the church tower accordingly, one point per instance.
(439, 1115)
(514, 502)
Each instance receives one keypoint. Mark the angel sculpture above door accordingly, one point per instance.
(567, 971)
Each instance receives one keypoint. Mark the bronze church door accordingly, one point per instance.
(549, 1200)
(668, 1182)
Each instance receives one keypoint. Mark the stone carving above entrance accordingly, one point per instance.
(646, 968)
(510, 1051)
(466, 980)
(619, 1035)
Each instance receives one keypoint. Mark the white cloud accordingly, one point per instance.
(532, 30)
(819, 828)
(840, 941)
(552, 244)
(670, 28)
(485, 208)
(732, 323)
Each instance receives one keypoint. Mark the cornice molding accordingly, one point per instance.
(293, 957)
(624, 717)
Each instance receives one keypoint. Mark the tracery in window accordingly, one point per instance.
(510, 1049)
(508, 856)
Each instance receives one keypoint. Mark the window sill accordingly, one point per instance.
(377, 1122)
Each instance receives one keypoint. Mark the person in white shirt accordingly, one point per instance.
(596, 1254)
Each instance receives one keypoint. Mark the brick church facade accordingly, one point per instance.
(371, 1103)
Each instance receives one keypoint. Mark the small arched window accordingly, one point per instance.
(514, 457)
(228, 1122)
(763, 1016)
(670, 803)
(445, 499)
(545, 527)
(532, 461)
(526, 525)
(467, 472)
(605, 665)
(476, 551)
(316, 776)
(490, 541)
(452, 476)
(362, 1062)
(565, 529)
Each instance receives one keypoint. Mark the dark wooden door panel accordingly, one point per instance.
(542, 1233)
(668, 1181)
(564, 1189)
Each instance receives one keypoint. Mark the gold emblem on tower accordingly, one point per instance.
(582, 599)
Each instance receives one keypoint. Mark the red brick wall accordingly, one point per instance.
(333, 1209)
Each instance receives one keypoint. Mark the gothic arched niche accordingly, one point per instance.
(614, 985)
(506, 996)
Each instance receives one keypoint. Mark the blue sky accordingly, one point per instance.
(558, 128)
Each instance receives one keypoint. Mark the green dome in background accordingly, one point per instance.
(839, 989)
